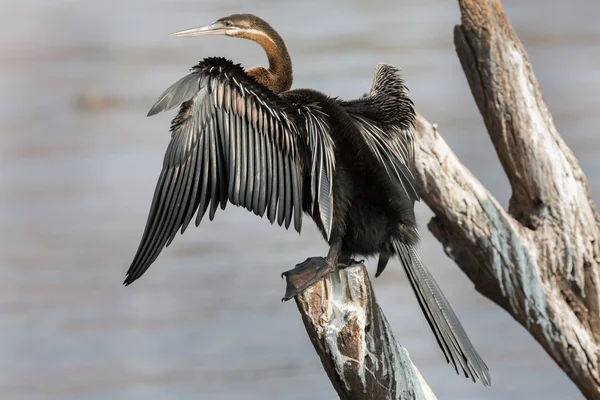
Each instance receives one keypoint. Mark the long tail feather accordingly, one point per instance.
(446, 327)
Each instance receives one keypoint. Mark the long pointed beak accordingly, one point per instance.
(214, 29)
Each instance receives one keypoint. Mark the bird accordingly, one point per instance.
(243, 136)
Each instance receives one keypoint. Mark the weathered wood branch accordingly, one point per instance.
(355, 342)
(539, 260)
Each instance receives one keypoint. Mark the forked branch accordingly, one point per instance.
(539, 260)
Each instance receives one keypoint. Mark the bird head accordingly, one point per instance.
(247, 26)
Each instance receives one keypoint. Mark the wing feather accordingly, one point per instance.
(272, 211)
(187, 194)
(322, 164)
(296, 197)
(288, 192)
(203, 205)
(264, 177)
(282, 191)
(214, 169)
(243, 161)
(251, 154)
(233, 161)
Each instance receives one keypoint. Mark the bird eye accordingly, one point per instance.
(227, 23)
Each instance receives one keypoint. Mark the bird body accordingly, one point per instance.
(363, 229)
(243, 137)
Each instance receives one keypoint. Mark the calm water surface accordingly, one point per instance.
(205, 322)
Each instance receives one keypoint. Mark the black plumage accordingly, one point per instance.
(243, 137)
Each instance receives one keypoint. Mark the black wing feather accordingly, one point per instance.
(322, 164)
(282, 192)
(263, 181)
(215, 194)
(204, 200)
(251, 154)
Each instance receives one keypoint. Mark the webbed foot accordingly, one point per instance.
(305, 275)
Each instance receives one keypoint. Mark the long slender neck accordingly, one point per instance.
(279, 77)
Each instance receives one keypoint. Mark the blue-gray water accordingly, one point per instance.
(205, 322)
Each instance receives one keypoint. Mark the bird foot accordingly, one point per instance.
(305, 275)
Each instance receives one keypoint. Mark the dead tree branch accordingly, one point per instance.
(539, 260)
(355, 342)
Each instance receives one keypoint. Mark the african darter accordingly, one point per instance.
(242, 136)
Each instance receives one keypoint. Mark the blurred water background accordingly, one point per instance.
(79, 160)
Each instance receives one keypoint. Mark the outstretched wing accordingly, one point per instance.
(386, 118)
(232, 141)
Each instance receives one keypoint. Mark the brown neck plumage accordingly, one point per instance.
(278, 78)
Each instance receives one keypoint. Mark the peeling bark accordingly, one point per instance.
(539, 260)
(355, 342)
